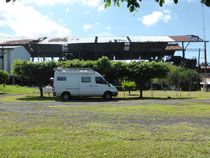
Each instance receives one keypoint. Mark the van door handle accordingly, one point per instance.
(96, 86)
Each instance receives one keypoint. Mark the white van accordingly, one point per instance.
(81, 82)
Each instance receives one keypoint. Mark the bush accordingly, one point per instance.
(128, 86)
(4, 77)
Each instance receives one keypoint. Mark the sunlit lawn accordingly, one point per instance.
(32, 129)
(122, 96)
(11, 89)
(153, 130)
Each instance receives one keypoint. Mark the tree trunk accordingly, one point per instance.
(141, 91)
(41, 91)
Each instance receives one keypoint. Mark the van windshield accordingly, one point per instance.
(100, 80)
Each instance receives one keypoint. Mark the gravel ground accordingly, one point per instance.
(46, 109)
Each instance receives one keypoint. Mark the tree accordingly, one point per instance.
(39, 72)
(141, 72)
(183, 78)
(4, 77)
(135, 4)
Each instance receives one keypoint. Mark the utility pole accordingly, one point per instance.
(205, 55)
(198, 80)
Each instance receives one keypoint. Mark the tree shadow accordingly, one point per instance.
(96, 99)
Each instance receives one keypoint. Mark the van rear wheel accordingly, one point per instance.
(66, 96)
(107, 96)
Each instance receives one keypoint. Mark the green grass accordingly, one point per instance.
(179, 129)
(11, 89)
(148, 95)
(105, 131)
(160, 94)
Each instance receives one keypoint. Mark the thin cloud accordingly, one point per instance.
(108, 28)
(4, 35)
(87, 26)
(67, 10)
(101, 8)
(155, 17)
(26, 21)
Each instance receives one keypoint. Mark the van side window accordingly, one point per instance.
(86, 79)
(100, 80)
(61, 78)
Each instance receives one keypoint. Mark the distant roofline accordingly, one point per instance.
(99, 39)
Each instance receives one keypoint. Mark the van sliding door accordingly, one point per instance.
(86, 86)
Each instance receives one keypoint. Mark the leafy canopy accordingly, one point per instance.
(135, 4)
(39, 72)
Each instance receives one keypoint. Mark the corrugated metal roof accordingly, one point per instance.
(99, 39)
(151, 39)
(113, 39)
(187, 38)
(173, 47)
(15, 41)
(75, 40)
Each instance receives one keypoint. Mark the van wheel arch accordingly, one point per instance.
(107, 95)
(66, 96)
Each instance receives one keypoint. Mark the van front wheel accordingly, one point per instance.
(107, 96)
(66, 96)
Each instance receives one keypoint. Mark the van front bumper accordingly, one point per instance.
(114, 94)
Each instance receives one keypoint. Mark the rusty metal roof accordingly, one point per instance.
(187, 38)
(15, 41)
(174, 47)
(99, 39)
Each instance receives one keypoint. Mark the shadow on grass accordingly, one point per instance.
(94, 99)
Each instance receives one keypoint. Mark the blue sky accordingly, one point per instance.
(67, 18)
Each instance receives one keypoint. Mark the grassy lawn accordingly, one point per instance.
(11, 89)
(148, 130)
(148, 95)
(30, 127)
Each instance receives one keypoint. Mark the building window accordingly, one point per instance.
(86, 79)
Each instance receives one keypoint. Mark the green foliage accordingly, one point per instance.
(142, 72)
(4, 77)
(128, 85)
(38, 72)
(181, 77)
(133, 5)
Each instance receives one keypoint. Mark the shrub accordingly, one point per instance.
(4, 77)
(128, 86)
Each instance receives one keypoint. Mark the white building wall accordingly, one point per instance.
(11, 54)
